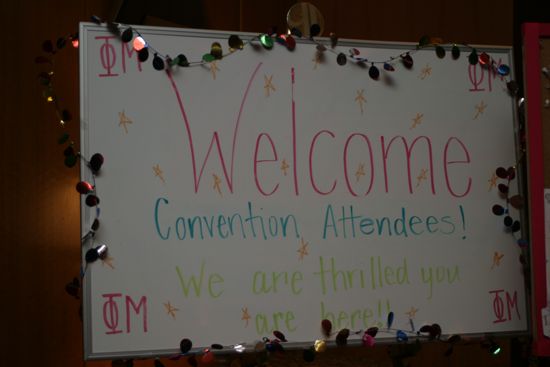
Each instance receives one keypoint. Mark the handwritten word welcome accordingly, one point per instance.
(454, 153)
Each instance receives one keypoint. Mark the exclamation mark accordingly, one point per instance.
(463, 221)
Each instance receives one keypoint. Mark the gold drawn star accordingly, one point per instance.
(170, 310)
(360, 171)
(492, 181)
(417, 120)
(480, 108)
(158, 172)
(412, 312)
(317, 60)
(303, 249)
(360, 98)
(213, 69)
(421, 177)
(425, 72)
(496, 259)
(217, 183)
(245, 317)
(268, 85)
(284, 167)
(124, 120)
(108, 260)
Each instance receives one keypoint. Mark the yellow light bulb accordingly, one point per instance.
(320, 345)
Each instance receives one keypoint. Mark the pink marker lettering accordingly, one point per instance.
(408, 152)
(447, 163)
(128, 51)
(294, 156)
(110, 313)
(107, 56)
(256, 161)
(475, 78)
(142, 303)
(311, 148)
(215, 138)
(348, 183)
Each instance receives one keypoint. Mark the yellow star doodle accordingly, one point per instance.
(158, 172)
(412, 312)
(303, 249)
(124, 120)
(496, 259)
(360, 98)
(480, 108)
(317, 60)
(284, 167)
(360, 171)
(213, 69)
(268, 85)
(170, 310)
(217, 183)
(417, 120)
(492, 181)
(421, 177)
(245, 317)
(108, 260)
(425, 72)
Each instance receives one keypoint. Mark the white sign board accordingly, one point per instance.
(272, 189)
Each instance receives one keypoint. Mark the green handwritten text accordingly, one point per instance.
(266, 324)
(357, 318)
(265, 282)
(377, 275)
(195, 284)
(437, 275)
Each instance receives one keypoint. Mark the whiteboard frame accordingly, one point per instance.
(86, 212)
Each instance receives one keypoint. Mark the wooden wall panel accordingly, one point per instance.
(468, 21)
(39, 214)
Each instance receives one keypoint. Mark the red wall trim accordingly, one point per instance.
(532, 32)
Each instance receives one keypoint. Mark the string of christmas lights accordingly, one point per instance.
(161, 61)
